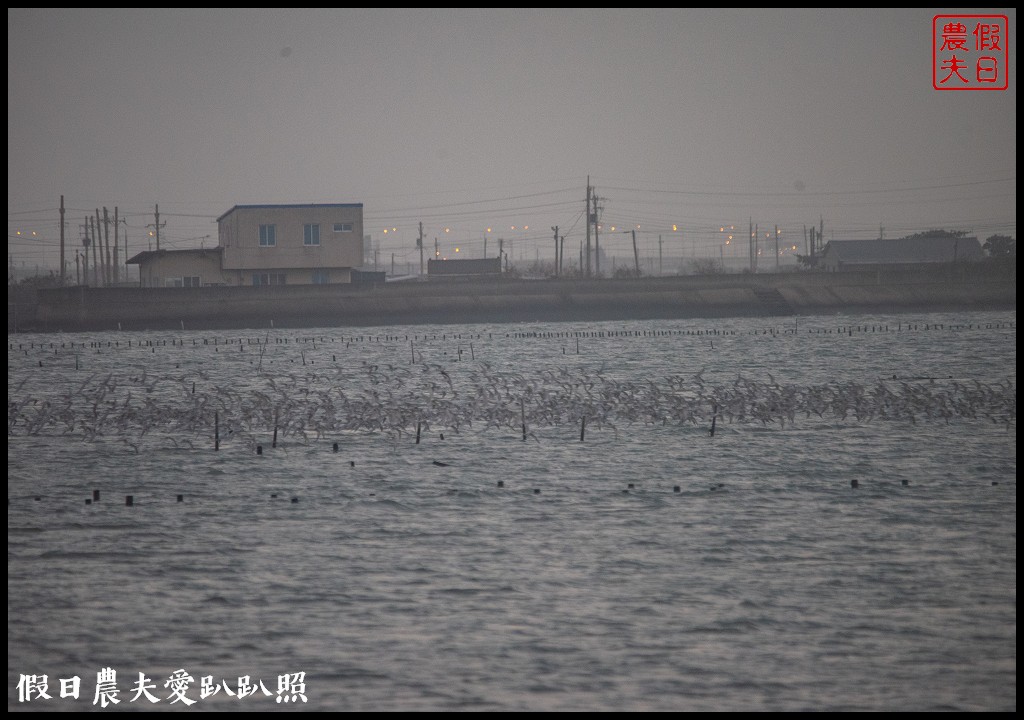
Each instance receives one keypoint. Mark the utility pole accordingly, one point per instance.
(78, 276)
(157, 221)
(126, 256)
(85, 244)
(94, 243)
(586, 209)
(757, 248)
(555, 228)
(750, 244)
(117, 262)
(106, 244)
(419, 244)
(62, 240)
(101, 266)
(776, 248)
(561, 253)
(597, 245)
(636, 254)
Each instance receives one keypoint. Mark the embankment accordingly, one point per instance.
(506, 300)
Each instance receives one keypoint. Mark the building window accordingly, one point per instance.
(310, 234)
(187, 281)
(268, 235)
(342, 227)
(268, 278)
(321, 277)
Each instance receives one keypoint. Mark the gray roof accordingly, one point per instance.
(289, 206)
(903, 250)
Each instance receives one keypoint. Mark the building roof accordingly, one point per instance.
(903, 250)
(153, 254)
(289, 207)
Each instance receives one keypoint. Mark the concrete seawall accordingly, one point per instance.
(713, 296)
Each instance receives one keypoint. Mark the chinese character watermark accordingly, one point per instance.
(970, 52)
(291, 688)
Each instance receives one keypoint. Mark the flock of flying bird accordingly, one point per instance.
(406, 399)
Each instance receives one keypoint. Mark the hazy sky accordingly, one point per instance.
(469, 119)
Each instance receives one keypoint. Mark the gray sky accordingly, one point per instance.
(469, 119)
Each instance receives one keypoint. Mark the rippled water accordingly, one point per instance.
(403, 577)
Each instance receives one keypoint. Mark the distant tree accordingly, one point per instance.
(706, 266)
(43, 281)
(541, 268)
(1000, 246)
(937, 234)
(625, 271)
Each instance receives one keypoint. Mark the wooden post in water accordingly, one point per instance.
(522, 415)
(583, 427)
(216, 431)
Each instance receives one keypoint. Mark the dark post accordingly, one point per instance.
(522, 415)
